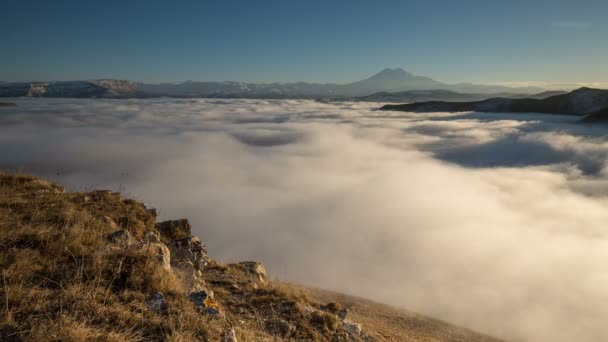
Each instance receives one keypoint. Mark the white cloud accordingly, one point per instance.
(493, 221)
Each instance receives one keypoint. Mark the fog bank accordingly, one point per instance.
(492, 221)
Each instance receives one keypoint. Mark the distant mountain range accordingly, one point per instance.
(588, 102)
(388, 80)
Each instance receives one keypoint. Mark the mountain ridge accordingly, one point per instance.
(387, 80)
(580, 102)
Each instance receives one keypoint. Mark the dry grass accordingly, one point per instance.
(63, 281)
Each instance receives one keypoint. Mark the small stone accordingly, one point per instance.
(157, 303)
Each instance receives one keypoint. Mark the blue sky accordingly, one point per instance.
(325, 41)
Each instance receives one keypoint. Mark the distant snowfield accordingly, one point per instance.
(495, 222)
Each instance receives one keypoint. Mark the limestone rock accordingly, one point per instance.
(189, 249)
(159, 251)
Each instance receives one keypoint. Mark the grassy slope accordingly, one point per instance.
(62, 280)
(387, 323)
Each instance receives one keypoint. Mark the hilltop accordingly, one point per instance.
(80, 266)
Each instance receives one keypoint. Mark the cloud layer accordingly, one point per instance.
(495, 222)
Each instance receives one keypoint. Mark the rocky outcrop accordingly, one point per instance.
(189, 250)
(582, 101)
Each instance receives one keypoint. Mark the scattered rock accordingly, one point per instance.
(174, 229)
(203, 301)
(230, 335)
(199, 298)
(87, 198)
(121, 237)
(157, 303)
(255, 269)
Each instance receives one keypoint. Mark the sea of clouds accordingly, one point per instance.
(492, 221)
